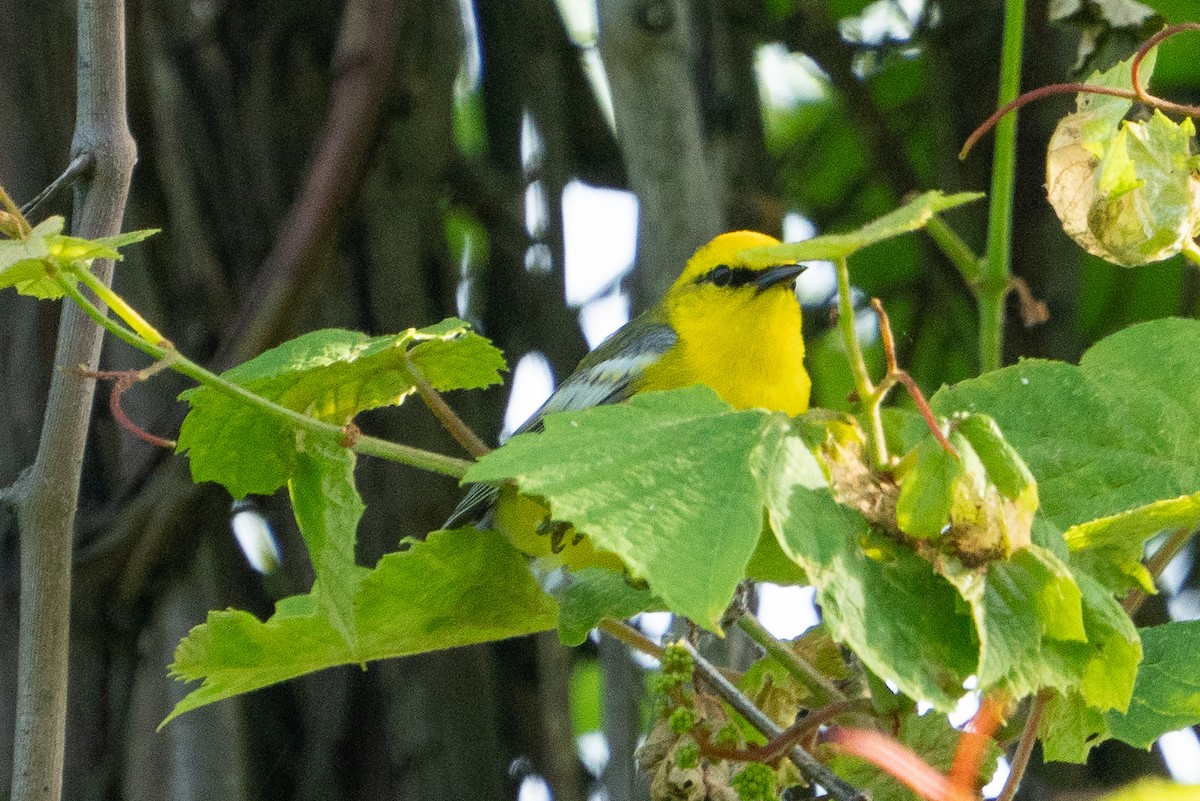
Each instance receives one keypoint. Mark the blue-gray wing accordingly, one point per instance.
(609, 374)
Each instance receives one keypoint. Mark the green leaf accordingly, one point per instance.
(327, 507)
(1004, 467)
(929, 735)
(876, 596)
(1070, 728)
(23, 262)
(1021, 607)
(331, 375)
(1113, 434)
(1167, 694)
(662, 481)
(1075, 722)
(1111, 548)
(128, 238)
(592, 594)
(457, 588)
(927, 491)
(909, 217)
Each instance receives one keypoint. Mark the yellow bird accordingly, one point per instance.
(723, 323)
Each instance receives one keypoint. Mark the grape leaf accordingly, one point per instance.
(909, 217)
(331, 375)
(1021, 606)
(880, 598)
(1167, 694)
(1115, 433)
(327, 507)
(23, 261)
(1074, 722)
(1111, 548)
(592, 594)
(662, 481)
(458, 588)
(27, 263)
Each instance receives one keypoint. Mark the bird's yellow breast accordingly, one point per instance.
(744, 344)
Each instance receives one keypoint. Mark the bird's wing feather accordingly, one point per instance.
(609, 374)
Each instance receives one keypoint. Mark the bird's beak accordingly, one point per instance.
(783, 274)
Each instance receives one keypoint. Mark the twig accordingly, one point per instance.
(996, 267)
(858, 365)
(1136, 64)
(817, 682)
(78, 166)
(50, 495)
(812, 769)
(1156, 564)
(373, 446)
(463, 434)
(968, 759)
(1021, 756)
(956, 250)
(1138, 92)
(622, 631)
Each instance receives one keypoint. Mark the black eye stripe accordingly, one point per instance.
(725, 276)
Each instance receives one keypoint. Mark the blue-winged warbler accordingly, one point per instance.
(723, 323)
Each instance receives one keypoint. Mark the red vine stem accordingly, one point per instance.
(1137, 93)
(123, 380)
(897, 375)
(1135, 66)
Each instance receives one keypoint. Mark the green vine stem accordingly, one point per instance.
(996, 268)
(121, 308)
(956, 250)
(871, 400)
(359, 443)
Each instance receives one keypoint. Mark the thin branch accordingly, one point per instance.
(997, 264)
(622, 631)
(816, 681)
(123, 380)
(1138, 92)
(1033, 311)
(956, 250)
(1136, 64)
(463, 434)
(858, 365)
(895, 375)
(47, 508)
(1156, 564)
(1021, 756)
(813, 770)
(972, 747)
(78, 166)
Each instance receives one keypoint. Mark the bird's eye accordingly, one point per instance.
(721, 275)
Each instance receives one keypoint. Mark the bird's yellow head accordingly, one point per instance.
(738, 326)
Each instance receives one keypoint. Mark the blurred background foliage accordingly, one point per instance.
(376, 165)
